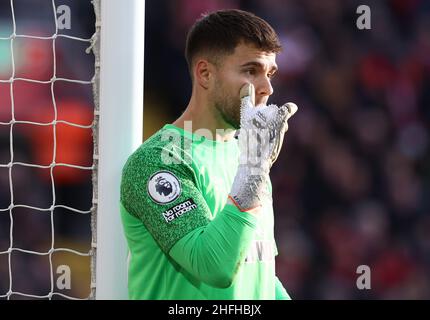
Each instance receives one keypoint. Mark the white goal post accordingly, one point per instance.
(121, 69)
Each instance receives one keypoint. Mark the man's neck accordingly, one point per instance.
(204, 121)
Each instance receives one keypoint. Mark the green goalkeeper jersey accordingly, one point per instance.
(185, 241)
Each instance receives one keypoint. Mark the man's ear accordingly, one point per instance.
(203, 72)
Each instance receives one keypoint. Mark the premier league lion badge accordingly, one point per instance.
(164, 187)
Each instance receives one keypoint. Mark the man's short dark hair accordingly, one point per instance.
(220, 32)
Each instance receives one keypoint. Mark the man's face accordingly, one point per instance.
(246, 65)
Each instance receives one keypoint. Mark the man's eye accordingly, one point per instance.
(250, 72)
(271, 75)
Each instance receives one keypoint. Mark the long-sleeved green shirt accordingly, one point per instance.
(185, 241)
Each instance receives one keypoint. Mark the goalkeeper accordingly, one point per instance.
(197, 207)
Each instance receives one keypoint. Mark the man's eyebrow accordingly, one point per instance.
(258, 65)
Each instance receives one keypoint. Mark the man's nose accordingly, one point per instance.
(263, 89)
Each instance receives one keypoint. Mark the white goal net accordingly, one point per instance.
(56, 145)
(60, 274)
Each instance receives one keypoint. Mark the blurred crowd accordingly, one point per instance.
(351, 186)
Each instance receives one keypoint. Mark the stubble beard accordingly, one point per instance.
(228, 107)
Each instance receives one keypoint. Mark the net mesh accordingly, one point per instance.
(12, 164)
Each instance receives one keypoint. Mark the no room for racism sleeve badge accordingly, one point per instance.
(164, 187)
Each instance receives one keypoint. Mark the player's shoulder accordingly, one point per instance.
(161, 150)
